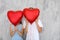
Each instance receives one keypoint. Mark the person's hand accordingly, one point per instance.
(15, 29)
(10, 27)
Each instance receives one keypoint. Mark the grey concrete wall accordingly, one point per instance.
(50, 13)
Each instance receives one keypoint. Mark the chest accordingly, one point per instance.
(32, 27)
(19, 27)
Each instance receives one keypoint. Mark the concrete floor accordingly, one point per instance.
(50, 16)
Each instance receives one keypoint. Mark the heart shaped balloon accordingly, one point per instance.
(31, 14)
(14, 17)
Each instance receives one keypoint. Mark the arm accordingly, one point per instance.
(11, 32)
(26, 29)
(39, 27)
(25, 25)
(21, 33)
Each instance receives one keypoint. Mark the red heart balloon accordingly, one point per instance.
(31, 14)
(14, 17)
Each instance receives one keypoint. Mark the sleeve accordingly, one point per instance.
(24, 23)
(40, 23)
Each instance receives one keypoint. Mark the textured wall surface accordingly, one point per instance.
(50, 13)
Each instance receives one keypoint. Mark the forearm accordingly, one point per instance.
(20, 33)
(12, 33)
(39, 28)
(26, 29)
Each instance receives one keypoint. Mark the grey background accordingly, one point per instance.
(50, 13)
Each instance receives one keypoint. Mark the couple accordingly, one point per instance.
(31, 30)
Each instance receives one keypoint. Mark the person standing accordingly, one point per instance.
(17, 32)
(32, 30)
